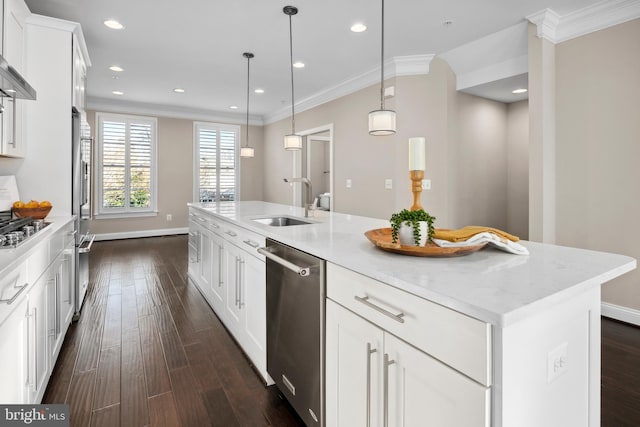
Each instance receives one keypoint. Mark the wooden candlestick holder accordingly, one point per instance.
(416, 188)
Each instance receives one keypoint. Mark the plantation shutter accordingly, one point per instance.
(127, 156)
(217, 163)
(113, 164)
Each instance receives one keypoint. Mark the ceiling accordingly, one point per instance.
(198, 44)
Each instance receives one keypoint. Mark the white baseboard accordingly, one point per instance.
(618, 312)
(142, 233)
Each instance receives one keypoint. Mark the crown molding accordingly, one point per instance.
(172, 111)
(598, 16)
(395, 67)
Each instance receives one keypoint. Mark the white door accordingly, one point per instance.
(37, 336)
(424, 392)
(67, 287)
(353, 366)
(14, 355)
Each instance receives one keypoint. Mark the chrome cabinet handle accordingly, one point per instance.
(21, 289)
(370, 351)
(231, 233)
(302, 271)
(237, 280)
(385, 408)
(214, 225)
(220, 261)
(251, 243)
(365, 300)
(240, 281)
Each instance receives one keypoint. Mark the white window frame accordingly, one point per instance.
(101, 212)
(196, 156)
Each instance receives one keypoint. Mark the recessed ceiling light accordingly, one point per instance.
(233, 107)
(178, 90)
(298, 64)
(11, 90)
(116, 68)
(259, 91)
(358, 27)
(117, 92)
(113, 24)
(522, 90)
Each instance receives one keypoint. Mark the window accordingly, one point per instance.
(216, 162)
(126, 165)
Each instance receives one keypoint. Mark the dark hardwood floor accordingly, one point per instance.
(148, 350)
(620, 374)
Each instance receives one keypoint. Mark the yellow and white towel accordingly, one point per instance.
(475, 235)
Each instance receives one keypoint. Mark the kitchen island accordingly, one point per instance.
(518, 336)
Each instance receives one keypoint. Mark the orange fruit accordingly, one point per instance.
(18, 204)
(32, 204)
(45, 204)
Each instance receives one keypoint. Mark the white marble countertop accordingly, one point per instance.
(490, 285)
(10, 258)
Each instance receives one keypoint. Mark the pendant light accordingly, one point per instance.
(382, 121)
(292, 141)
(247, 151)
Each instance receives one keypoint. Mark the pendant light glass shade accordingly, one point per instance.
(382, 122)
(292, 142)
(247, 151)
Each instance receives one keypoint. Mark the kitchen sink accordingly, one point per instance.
(282, 221)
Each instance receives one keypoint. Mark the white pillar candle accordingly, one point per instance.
(417, 154)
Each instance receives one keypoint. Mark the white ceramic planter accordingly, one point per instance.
(405, 234)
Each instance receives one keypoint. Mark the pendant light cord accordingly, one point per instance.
(293, 109)
(248, 61)
(382, 62)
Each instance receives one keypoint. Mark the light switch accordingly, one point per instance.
(348, 183)
(388, 184)
(426, 184)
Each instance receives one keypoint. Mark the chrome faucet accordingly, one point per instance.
(307, 183)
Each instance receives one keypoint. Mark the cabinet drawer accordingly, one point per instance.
(457, 340)
(59, 240)
(243, 238)
(12, 290)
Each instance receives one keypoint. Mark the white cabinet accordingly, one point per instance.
(37, 340)
(13, 355)
(79, 77)
(375, 378)
(60, 301)
(224, 265)
(13, 41)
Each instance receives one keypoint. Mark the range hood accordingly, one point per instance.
(12, 84)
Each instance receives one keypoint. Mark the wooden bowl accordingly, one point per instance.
(35, 213)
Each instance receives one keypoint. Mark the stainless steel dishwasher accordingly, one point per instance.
(295, 328)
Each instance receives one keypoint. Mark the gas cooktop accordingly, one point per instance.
(14, 232)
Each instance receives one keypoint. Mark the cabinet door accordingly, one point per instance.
(218, 265)
(233, 310)
(206, 263)
(353, 366)
(253, 301)
(37, 335)
(14, 356)
(67, 271)
(423, 391)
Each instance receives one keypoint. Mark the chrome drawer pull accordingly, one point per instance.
(385, 396)
(251, 243)
(365, 300)
(231, 233)
(13, 298)
(214, 225)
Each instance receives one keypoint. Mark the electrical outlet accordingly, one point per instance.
(557, 362)
(169, 217)
(388, 184)
(348, 183)
(426, 184)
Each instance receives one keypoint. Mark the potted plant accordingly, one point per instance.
(412, 228)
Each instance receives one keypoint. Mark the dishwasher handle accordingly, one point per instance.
(302, 271)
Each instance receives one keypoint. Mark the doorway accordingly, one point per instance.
(315, 162)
